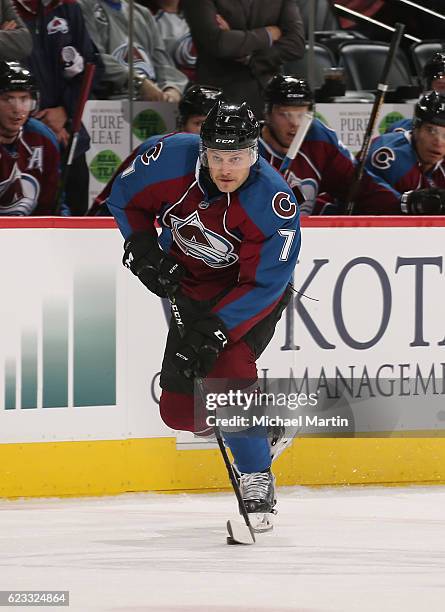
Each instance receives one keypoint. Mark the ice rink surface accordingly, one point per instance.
(344, 549)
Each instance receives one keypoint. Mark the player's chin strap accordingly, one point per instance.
(176, 314)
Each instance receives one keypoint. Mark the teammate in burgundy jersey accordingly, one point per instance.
(411, 164)
(323, 163)
(433, 78)
(29, 153)
(230, 240)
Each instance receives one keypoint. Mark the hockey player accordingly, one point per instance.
(433, 79)
(434, 73)
(193, 109)
(61, 49)
(323, 164)
(29, 152)
(229, 243)
(410, 165)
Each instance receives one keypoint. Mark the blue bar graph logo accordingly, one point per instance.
(86, 356)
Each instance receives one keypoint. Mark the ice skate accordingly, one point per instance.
(258, 493)
(280, 439)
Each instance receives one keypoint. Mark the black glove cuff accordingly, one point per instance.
(404, 202)
(429, 201)
(142, 250)
(213, 329)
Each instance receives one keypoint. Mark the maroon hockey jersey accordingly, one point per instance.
(29, 172)
(323, 164)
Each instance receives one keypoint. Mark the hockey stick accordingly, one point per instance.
(297, 141)
(238, 534)
(87, 81)
(382, 88)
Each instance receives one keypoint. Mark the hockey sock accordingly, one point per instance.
(250, 449)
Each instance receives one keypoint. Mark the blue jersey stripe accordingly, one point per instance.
(271, 279)
(36, 126)
(177, 162)
(400, 164)
(272, 274)
(174, 162)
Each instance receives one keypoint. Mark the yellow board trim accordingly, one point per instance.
(154, 464)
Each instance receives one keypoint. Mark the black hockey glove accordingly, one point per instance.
(423, 202)
(160, 273)
(200, 347)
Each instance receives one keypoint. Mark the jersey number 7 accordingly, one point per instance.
(288, 236)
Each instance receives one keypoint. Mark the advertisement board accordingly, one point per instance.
(107, 122)
(82, 339)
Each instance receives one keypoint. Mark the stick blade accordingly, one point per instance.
(239, 533)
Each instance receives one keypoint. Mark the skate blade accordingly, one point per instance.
(239, 533)
(261, 521)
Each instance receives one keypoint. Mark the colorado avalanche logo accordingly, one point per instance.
(57, 24)
(194, 239)
(283, 206)
(383, 158)
(18, 194)
(142, 63)
(185, 54)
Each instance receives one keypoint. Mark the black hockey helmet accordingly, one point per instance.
(430, 109)
(434, 68)
(198, 100)
(288, 90)
(230, 127)
(14, 77)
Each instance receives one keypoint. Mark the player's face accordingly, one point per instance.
(15, 107)
(229, 169)
(193, 124)
(284, 122)
(439, 84)
(430, 143)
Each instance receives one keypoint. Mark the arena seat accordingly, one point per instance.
(363, 62)
(324, 58)
(328, 31)
(325, 18)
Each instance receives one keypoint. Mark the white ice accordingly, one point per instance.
(345, 549)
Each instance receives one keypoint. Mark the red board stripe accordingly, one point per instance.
(306, 222)
(57, 222)
(381, 221)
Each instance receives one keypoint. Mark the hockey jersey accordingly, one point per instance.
(107, 23)
(323, 164)
(99, 207)
(178, 41)
(403, 125)
(57, 25)
(244, 244)
(29, 172)
(393, 161)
